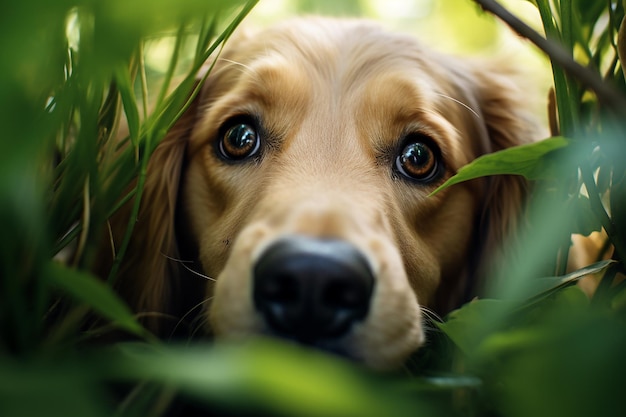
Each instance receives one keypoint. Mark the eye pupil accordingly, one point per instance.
(417, 156)
(417, 161)
(239, 141)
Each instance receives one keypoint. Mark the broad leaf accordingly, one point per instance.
(587, 221)
(469, 325)
(532, 161)
(541, 288)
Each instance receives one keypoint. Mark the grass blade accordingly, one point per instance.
(87, 289)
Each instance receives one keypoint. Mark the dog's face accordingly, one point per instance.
(310, 159)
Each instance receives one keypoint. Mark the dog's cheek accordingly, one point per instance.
(456, 250)
(232, 314)
(211, 221)
(393, 328)
(420, 264)
(436, 240)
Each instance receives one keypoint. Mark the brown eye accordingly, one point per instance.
(418, 161)
(239, 141)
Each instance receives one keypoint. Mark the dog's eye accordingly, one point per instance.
(418, 161)
(239, 140)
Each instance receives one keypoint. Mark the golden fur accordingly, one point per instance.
(335, 98)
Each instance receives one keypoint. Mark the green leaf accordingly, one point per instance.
(90, 290)
(618, 199)
(122, 77)
(59, 388)
(267, 376)
(533, 161)
(586, 220)
(544, 287)
(443, 383)
(469, 325)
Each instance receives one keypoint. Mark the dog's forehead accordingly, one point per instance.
(343, 50)
(384, 83)
(341, 60)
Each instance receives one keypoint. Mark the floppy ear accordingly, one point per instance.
(149, 269)
(504, 109)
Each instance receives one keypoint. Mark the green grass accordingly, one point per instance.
(536, 347)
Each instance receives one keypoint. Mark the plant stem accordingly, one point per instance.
(557, 54)
(600, 212)
(141, 180)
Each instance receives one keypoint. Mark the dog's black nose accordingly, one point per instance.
(310, 289)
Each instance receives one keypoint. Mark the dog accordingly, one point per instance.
(293, 198)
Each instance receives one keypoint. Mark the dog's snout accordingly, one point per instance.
(311, 289)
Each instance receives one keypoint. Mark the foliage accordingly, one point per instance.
(539, 346)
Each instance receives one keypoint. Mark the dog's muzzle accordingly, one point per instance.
(312, 290)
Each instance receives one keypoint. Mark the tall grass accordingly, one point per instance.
(72, 68)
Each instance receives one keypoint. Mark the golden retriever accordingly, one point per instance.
(297, 188)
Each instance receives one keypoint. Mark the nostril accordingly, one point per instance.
(278, 289)
(344, 295)
(278, 297)
(311, 289)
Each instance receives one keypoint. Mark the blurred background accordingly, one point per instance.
(456, 26)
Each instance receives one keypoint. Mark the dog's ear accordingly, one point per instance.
(505, 112)
(149, 268)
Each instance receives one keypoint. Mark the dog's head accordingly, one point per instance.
(301, 177)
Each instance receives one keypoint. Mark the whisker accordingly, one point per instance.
(193, 271)
(153, 314)
(244, 66)
(202, 321)
(182, 319)
(430, 317)
(208, 278)
(430, 314)
(96, 329)
(461, 103)
(171, 258)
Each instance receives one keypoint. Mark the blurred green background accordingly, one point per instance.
(455, 26)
